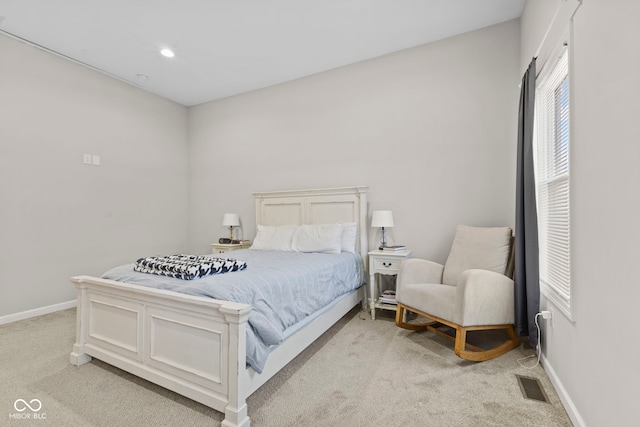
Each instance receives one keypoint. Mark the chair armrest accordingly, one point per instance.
(417, 270)
(484, 297)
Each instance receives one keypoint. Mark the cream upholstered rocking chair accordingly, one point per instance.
(472, 291)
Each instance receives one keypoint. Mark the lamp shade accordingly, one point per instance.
(230, 220)
(382, 219)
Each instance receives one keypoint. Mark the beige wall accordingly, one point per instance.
(431, 130)
(592, 358)
(59, 217)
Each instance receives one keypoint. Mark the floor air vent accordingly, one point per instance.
(531, 388)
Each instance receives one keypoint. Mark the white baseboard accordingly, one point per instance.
(568, 404)
(36, 312)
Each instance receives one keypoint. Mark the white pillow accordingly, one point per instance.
(349, 233)
(274, 238)
(324, 238)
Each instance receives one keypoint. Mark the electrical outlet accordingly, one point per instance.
(547, 315)
(95, 160)
(87, 159)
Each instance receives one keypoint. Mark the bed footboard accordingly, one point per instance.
(194, 346)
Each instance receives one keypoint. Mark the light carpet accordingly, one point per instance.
(360, 373)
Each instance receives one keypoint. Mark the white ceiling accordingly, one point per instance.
(227, 47)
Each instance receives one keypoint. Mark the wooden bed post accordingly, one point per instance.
(78, 356)
(235, 412)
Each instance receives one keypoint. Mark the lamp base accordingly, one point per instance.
(383, 241)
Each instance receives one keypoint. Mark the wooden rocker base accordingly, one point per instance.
(462, 349)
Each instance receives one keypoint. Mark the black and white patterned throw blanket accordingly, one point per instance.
(187, 267)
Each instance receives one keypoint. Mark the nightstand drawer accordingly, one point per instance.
(386, 264)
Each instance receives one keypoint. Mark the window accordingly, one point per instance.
(552, 141)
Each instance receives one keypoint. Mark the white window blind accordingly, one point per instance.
(552, 183)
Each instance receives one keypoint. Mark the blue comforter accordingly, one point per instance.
(283, 288)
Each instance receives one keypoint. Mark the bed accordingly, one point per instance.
(196, 345)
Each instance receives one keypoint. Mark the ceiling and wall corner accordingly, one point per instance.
(225, 48)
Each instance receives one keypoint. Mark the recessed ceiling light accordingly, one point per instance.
(167, 52)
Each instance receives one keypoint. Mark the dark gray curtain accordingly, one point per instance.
(527, 288)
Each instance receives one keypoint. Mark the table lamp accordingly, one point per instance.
(231, 220)
(382, 219)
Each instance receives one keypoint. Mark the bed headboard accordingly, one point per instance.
(319, 206)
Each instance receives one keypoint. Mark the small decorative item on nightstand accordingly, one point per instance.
(394, 248)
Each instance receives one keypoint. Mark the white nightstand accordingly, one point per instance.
(220, 248)
(383, 262)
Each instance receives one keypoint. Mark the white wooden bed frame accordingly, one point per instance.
(196, 346)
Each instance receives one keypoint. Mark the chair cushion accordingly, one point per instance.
(486, 248)
(431, 298)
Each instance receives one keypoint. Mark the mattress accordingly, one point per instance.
(283, 288)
